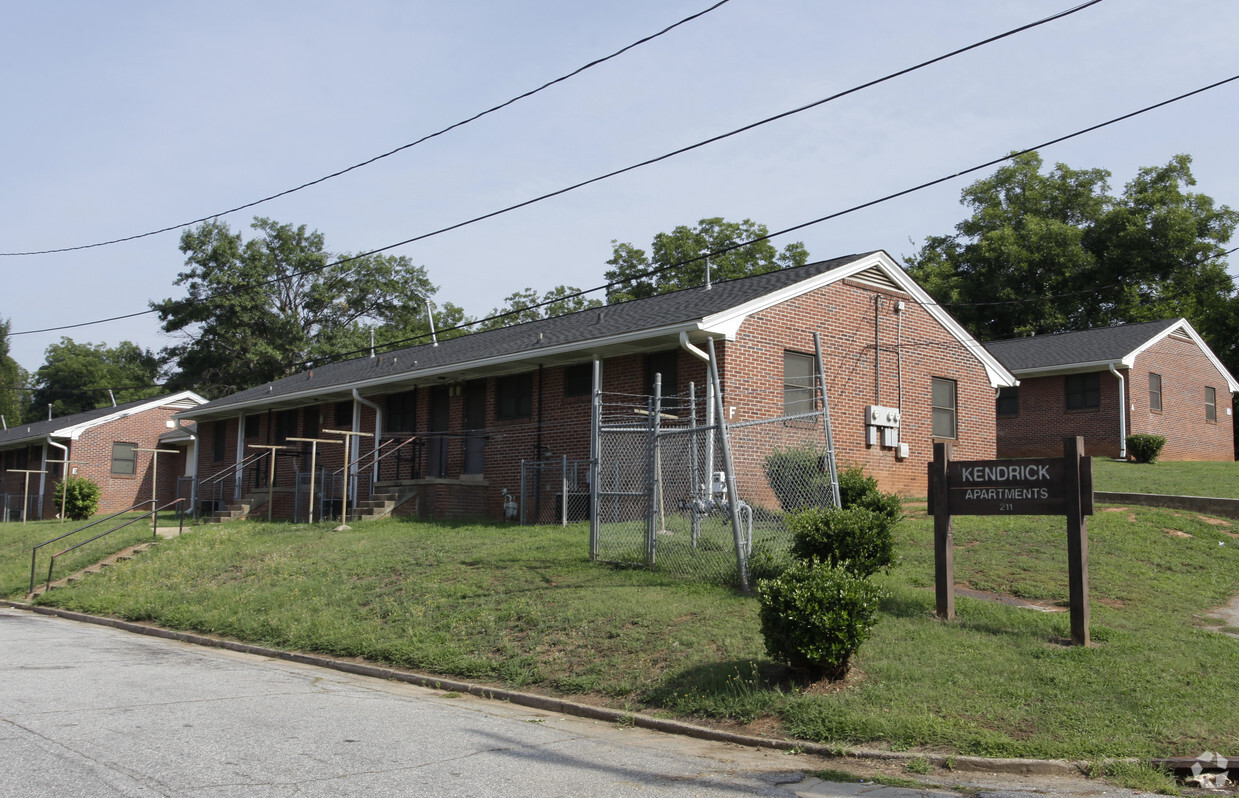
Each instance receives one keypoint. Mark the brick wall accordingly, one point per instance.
(872, 354)
(913, 348)
(94, 447)
(1185, 373)
(1043, 420)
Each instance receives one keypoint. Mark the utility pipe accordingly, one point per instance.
(64, 467)
(1122, 412)
(192, 463)
(359, 400)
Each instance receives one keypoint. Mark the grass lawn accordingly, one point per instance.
(523, 607)
(1218, 480)
(17, 540)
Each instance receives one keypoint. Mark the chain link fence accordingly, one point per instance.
(665, 499)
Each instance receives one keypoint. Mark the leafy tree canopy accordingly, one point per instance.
(76, 377)
(526, 305)
(710, 236)
(12, 377)
(1053, 251)
(263, 309)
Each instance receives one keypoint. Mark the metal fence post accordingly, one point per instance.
(594, 442)
(733, 496)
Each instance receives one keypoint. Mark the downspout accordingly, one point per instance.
(1122, 412)
(239, 469)
(693, 350)
(537, 500)
(689, 347)
(358, 401)
(64, 467)
(191, 461)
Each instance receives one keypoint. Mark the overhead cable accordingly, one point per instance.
(600, 178)
(387, 154)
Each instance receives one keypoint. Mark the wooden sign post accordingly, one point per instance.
(1046, 486)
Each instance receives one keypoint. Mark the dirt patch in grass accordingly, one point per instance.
(1176, 533)
(1004, 598)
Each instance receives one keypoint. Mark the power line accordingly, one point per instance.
(600, 178)
(387, 154)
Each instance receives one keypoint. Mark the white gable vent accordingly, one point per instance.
(877, 277)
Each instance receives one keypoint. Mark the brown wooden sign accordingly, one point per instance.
(1013, 487)
(1049, 486)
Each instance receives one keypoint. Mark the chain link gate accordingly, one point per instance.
(667, 499)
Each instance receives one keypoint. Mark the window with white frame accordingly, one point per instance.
(944, 408)
(124, 459)
(1155, 391)
(799, 373)
(1210, 404)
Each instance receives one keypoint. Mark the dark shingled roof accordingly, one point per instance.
(1101, 345)
(521, 340)
(41, 429)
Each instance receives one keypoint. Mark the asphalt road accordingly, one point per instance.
(87, 710)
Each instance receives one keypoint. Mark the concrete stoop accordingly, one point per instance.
(383, 502)
(238, 510)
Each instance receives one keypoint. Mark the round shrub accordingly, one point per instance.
(1145, 448)
(858, 490)
(798, 477)
(856, 538)
(81, 498)
(814, 617)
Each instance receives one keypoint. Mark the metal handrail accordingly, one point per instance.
(232, 469)
(154, 513)
(405, 442)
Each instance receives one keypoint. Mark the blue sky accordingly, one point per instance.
(129, 116)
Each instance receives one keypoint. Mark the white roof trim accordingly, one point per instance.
(727, 323)
(1185, 326)
(74, 432)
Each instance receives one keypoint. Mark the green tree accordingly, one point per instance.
(526, 305)
(263, 309)
(714, 236)
(1055, 251)
(76, 377)
(13, 401)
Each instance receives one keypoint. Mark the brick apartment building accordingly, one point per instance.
(477, 405)
(1158, 378)
(105, 446)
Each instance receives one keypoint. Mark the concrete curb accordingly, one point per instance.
(1227, 508)
(1018, 767)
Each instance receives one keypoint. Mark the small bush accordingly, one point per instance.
(798, 477)
(814, 617)
(81, 498)
(858, 490)
(856, 538)
(1145, 448)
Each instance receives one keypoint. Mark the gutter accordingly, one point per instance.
(1122, 412)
